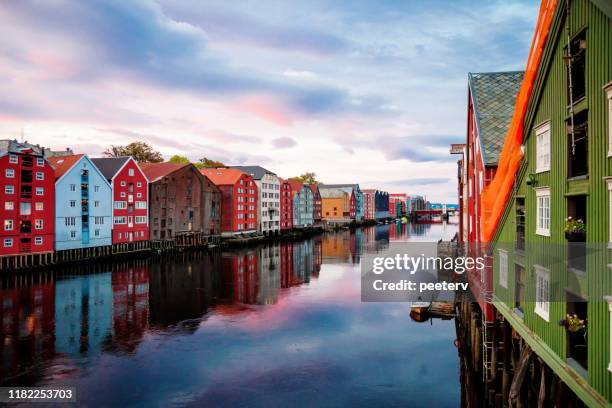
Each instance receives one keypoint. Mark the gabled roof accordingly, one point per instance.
(156, 171)
(296, 185)
(61, 164)
(257, 172)
(314, 188)
(109, 166)
(223, 175)
(353, 186)
(493, 96)
(332, 193)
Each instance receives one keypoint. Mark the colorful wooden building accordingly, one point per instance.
(381, 205)
(268, 203)
(182, 201)
(130, 198)
(368, 204)
(27, 192)
(356, 208)
(83, 204)
(336, 205)
(286, 205)
(397, 204)
(317, 217)
(302, 204)
(239, 199)
(542, 274)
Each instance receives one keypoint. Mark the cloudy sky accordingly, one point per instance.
(365, 91)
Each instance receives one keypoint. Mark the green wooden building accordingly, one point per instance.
(541, 274)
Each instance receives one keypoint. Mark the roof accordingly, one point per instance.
(353, 186)
(332, 193)
(296, 185)
(13, 146)
(223, 175)
(61, 164)
(257, 172)
(313, 187)
(155, 171)
(109, 166)
(493, 96)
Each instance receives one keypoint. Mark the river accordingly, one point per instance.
(273, 325)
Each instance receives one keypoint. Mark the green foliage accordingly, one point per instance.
(206, 162)
(140, 151)
(574, 225)
(179, 159)
(306, 178)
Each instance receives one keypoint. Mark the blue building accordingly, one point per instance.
(83, 204)
(303, 205)
(381, 205)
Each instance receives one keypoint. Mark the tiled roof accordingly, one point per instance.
(109, 166)
(494, 95)
(62, 164)
(223, 175)
(155, 171)
(257, 172)
(296, 186)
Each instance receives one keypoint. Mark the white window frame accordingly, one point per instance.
(9, 173)
(40, 206)
(9, 205)
(9, 225)
(40, 162)
(38, 240)
(608, 181)
(542, 230)
(8, 241)
(542, 133)
(40, 190)
(503, 268)
(39, 224)
(9, 189)
(609, 300)
(40, 175)
(130, 172)
(608, 90)
(542, 306)
(13, 159)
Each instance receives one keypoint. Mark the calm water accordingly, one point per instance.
(278, 325)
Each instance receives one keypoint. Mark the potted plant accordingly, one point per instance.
(573, 324)
(575, 230)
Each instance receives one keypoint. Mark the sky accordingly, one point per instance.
(368, 92)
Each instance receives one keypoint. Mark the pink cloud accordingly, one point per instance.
(52, 63)
(268, 108)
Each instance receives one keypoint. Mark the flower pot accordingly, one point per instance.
(575, 236)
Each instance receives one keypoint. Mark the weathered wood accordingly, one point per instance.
(520, 372)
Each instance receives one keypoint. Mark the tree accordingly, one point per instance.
(306, 178)
(140, 151)
(179, 159)
(206, 162)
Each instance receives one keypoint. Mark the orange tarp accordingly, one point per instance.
(495, 196)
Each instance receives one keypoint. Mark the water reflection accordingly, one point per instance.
(64, 324)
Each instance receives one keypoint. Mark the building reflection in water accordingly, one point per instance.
(85, 310)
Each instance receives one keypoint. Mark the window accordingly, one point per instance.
(123, 195)
(130, 172)
(40, 206)
(141, 205)
(70, 221)
(543, 211)
(40, 191)
(503, 268)
(38, 240)
(120, 220)
(577, 145)
(8, 242)
(73, 187)
(96, 204)
(38, 224)
(141, 219)
(542, 291)
(97, 232)
(8, 225)
(480, 181)
(10, 173)
(609, 300)
(13, 159)
(120, 205)
(72, 234)
(520, 223)
(139, 184)
(73, 203)
(40, 162)
(577, 63)
(543, 148)
(9, 205)
(8, 189)
(96, 189)
(123, 184)
(470, 188)
(519, 287)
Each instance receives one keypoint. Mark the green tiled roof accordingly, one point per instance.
(494, 94)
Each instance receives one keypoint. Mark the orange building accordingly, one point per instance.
(335, 205)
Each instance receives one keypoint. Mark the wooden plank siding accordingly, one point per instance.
(549, 103)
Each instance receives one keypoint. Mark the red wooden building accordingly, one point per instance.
(130, 198)
(317, 208)
(238, 199)
(286, 205)
(491, 99)
(27, 197)
(397, 204)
